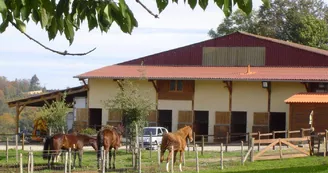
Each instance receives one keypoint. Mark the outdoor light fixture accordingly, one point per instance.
(265, 84)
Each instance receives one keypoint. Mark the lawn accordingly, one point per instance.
(209, 162)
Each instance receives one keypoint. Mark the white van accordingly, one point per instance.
(156, 135)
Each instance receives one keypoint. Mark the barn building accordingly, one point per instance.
(235, 83)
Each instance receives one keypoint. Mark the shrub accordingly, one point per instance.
(89, 131)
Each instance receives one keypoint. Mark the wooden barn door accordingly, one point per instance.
(185, 118)
(222, 125)
(261, 122)
(114, 117)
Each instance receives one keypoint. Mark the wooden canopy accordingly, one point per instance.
(47, 98)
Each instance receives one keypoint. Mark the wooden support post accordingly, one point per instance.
(66, 160)
(7, 145)
(32, 162)
(158, 156)
(172, 158)
(221, 156)
(249, 139)
(259, 144)
(197, 162)
(324, 146)
(151, 144)
(188, 144)
(273, 137)
(23, 139)
(29, 163)
(194, 141)
(252, 152)
(21, 162)
(69, 160)
(280, 151)
(227, 141)
(203, 141)
(139, 160)
(16, 140)
(242, 152)
(288, 136)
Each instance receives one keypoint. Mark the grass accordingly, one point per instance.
(209, 163)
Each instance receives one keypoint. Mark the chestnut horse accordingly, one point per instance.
(58, 142)
(109, 137)
(178, 141)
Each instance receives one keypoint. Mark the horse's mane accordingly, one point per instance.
(181, 131)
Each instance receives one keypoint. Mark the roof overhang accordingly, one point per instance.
(40, 100)
(308, 98)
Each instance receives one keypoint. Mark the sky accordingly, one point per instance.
(178, 25)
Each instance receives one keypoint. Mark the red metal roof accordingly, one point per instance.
(277, 52)
(211, 73)
(308, 98)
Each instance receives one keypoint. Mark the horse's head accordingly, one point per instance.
(189, 129)
(93, 143)
(119, 129)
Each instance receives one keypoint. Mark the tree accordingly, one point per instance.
(299, 21)
(133, 103)
(55, 115)
(34, 83)
(238, 21)
(61, 16)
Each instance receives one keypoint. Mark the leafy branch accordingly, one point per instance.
(52, 50)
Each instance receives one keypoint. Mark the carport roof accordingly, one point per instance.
(308, 98)
(41, 99)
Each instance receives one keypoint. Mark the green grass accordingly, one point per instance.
(209, 163)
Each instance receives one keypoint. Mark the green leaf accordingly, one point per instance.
(192, 3)
(161, 4)
(92, 21)
(219, 3)
(203, 4)
(35, 16)
(123, 7)
(245, 5)
(60, 24)
(52, 31)
(3, 26)
(62, 7)
(25, 13)
(20, 25)
(266, 3)
(69, 31)
(44, 17)
(227, 7)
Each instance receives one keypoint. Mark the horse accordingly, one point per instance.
(109, 138)
(178, 141)
(58, 142)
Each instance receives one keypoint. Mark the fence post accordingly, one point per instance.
(273, 137)
(194, 141)
(21, 163)
(7, 144)
(66, 160)
(29, 162)
(259, 137)
(221, 156)
(197, 162)
(203, 143)
(16, 140)
(280, 151)
(103, 160)
(70, 160)
(139, 154)
(158, 156)
(288, 136)
(227, 141)
(324, 146)
(188, 143)
(172, 157)
(242, 152)
(151, 144)
(249, 138)
(23, 141)
(32, 162)
(252, 151)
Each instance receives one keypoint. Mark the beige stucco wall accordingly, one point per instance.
(211, 96)
(249, 96)
(104, 89)
(280, 91)
(175, 106)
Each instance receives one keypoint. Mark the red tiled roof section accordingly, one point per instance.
(308, 98)
(201, 72)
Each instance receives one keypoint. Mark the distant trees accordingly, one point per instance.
(298, 21)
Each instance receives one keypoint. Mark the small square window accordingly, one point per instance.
(172, 85)
(179, 87)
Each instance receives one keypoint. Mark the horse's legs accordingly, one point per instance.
(74, 158)
(168, 159)
(181, 154)
(110, 158)
(114, 157)
(175, 156)
(162, 154)
(80, 157)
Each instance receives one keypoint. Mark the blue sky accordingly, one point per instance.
(177, 26)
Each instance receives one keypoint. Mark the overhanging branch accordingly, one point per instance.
(52, 50)
(150, 12)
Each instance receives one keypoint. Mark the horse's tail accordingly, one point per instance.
(100, 142)
(46, 146)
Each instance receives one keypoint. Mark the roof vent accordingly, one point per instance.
(248, 71)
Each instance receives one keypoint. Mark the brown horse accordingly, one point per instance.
(109, 138)
(178, 141)
(58, 142)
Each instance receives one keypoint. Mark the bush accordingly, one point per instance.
(89, 131)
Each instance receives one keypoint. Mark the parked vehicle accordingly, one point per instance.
(156, 137)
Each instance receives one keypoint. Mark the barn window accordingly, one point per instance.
(176, 85)
(318, 87)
